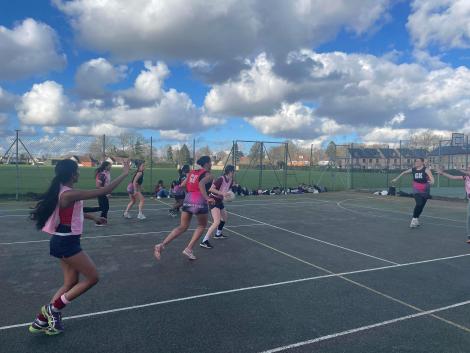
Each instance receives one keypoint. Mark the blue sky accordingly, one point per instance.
(359, 71)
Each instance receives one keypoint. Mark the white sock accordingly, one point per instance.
(206, 238)
(218, 232)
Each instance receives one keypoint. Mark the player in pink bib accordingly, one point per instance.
(60, 214)
(466, 180)
(220, 187)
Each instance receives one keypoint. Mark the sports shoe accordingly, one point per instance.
(220, 236)
(141, 216)
(159, 197)
(54, 318)
(127, 215)
(189, 254)
(414, 223)
(99, 224)
(157, 252)
(468, 240)
(206, 244)
(37, 327)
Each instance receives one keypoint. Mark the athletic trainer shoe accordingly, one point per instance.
(37, 326)
(206, 244)
(189, 254)
(126, 215)
(220, 236)
(54, 319)
(414, 223)
(141, 216)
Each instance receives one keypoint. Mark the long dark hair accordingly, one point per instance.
(203, 160)
(229, 169)
(184, 170)
(64, 172)
(102, 168)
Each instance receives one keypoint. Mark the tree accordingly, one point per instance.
(169, 154)
(204, 151)
(426, 140)
(255, 152)
(184, 156)
(221, 156)
(96, 147)
(331, 151)
(235, 151)
(139, 149)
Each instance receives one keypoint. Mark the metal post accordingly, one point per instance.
(261, 153)
(466, 155)
(311, 165)
(104, 147)
(194, 152)
(286, 154)
(440, 165)
(351, 167)
(151, 163)
(388, 165)
(17, 166)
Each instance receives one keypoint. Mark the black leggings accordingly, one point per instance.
(104, 205)
(420, 200)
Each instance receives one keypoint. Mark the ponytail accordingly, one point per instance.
(64, 171)
(101, 168)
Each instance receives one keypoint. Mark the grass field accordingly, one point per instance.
(35, 180)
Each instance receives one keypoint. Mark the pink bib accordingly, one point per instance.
(77, 216)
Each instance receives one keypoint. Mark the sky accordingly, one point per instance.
(312, 71)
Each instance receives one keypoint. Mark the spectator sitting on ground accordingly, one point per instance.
(161, 191)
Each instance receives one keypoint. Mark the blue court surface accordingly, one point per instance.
(330, 272)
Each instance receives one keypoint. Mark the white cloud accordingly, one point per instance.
(440, 22)
(148, 86)
(174, 135)
(256, 91)
(144, 106)
(45, 104)
(30, 48)
(219, 32)
(96, 130)
(296, 121)
(350, 90)
(93, 76)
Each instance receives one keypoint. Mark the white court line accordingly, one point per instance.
(315, 239)
(365, 328)
(243, 289)
(287, 204)
(388, 217)
(124, 234)
(358, 284)
(401, 212)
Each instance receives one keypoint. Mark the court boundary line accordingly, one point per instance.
(358, 284)
(121, 235)
(314, 239)
(351, 210)
(401, 212)
(244, 289)
(366, 327)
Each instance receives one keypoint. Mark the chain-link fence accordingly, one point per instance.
(27, 162)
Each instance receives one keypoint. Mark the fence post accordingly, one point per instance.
(388, 165)
(261, 153)
(311, 165)
(440, 165)
(194, 152)
(286, 154)
(466, 155)
(104, 147)
(151, 163)
(351, 166)
(17, 166)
